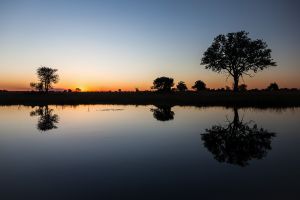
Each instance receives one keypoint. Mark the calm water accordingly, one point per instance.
(148, 152)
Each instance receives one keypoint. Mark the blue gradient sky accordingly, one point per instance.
(106, 45)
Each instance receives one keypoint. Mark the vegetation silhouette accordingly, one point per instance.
(47, 119)
(273, 87)
(237, 142)
(243, 87)
(163, 84)
(163, 113)
(181, 86)
(219, 97)
(237, 55)
(77, 90)
(47, 77)
(199, 86)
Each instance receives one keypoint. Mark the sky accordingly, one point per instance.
(110, 45)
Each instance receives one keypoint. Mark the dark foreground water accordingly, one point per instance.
(148, 152)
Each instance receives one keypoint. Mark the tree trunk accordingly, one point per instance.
(236, 83)
(46, 87)
(236, 119)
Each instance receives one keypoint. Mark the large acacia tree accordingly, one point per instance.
(47, 77)
(237, 55)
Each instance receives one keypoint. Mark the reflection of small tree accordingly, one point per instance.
(238, 142)
(47, 119)
(163, 113)
(181, 86)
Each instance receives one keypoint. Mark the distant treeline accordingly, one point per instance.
(280, 98)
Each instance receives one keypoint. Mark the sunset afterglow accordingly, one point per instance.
(111, 45)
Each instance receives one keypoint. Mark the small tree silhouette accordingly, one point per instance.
(37, 86)
(237, 142)
(47, 76)
(236, 55)
(163, 84)
(199, 86)
(77, 90)
(181, 86)
(243, 87)
(273, 87)
(47, 119)
(163, 113)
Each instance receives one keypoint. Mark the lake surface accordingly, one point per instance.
(149, 152)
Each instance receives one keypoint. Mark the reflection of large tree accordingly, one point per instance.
(163, 113)
(237, 142)
(47, 119)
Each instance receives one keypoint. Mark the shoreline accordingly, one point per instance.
(204, 98)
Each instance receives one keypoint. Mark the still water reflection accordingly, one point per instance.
(237, 142)
(163, 113)
(47, 120)
(148, 152)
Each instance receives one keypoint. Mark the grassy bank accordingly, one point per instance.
(206, 98)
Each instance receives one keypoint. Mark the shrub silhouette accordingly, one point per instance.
(273, 87)
(77, 90)
(199, 85)
(163, 84)
(181, 86)
(237, 55)
(243, 87)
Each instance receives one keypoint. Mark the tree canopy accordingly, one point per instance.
(237, 55)
(47, 77)
(199, 85)
(163, 84)
(181, 86)
(273, 87)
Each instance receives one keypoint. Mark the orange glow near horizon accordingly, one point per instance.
(110, 45)
(218, 81)
(128, 79)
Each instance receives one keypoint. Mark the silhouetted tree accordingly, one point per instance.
(77, 90)
(243, 87)
(237, 55)
(181, 86)
(37, 86)
(238, 142)
(47, 76)
(47, 119)
(163, 113)
(273, 87)
(163, 84)
(199, 85)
